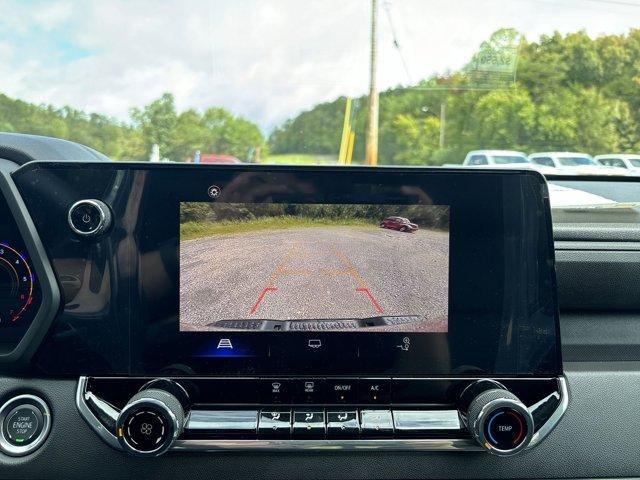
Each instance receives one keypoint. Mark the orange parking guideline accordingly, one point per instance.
(362, 285)
(283, 270)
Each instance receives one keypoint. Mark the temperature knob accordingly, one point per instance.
(153, 418)
(496, 418)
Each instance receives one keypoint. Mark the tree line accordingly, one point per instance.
(426, 216)
(568, 92)
(178, 134)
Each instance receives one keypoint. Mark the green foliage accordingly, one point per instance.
(178, 135)
(416, 137)
(157, 121)
(106, 135)
(199, 217)
(192, 230)
(317, 131)
(570, 92)
(503, 119)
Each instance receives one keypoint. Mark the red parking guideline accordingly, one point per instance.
(372, 298)
(262, 295)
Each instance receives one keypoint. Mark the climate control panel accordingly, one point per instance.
(147, 417)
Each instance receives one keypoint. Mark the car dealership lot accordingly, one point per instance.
(315, 273)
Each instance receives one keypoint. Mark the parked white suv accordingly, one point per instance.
(628, 161)
(567, 162)
(496, 158)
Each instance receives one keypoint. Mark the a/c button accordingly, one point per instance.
(374, 390)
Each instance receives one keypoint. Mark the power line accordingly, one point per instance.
(387, 9)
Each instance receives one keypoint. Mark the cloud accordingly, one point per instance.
(5, 52)
(52, 15)
(265, 60)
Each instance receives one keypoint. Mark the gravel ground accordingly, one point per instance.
(307, 273)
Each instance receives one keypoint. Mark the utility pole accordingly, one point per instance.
(443, 121)
(371, 157)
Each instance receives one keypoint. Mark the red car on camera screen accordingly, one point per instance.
(400, 224)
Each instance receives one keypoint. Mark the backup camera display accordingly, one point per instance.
(313, 267)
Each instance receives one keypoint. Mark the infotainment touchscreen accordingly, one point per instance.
(269, 271)
(293, 267)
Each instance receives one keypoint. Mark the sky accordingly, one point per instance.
(265, 60)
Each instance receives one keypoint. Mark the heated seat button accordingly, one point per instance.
(22, 425)
(505, 428)
(308, 423)
(376, 422)
(274, 423)
(341, 390)
(342, 423)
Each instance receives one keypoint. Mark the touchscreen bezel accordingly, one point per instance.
(503, 317)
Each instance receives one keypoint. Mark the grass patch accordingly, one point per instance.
(192, 230)
(300, 159)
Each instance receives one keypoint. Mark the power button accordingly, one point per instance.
(89, 218)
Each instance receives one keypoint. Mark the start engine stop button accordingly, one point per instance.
(25, 424)
(22, 424)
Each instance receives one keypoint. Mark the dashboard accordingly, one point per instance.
(348, 322)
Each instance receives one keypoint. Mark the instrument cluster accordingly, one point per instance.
(20, 293)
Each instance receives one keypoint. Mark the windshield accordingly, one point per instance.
(576, 161)
(581, 202)
(635, 162)
(503, 159)
(334, 82)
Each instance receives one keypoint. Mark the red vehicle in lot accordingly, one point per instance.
(215, 158)
(400, 224)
